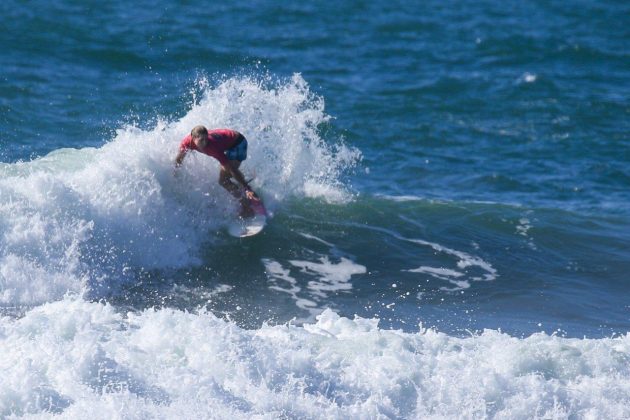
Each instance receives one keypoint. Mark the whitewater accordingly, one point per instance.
(80, 220)
(75, 359)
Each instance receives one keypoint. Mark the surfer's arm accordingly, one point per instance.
(180, 157)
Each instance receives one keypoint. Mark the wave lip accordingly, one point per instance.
(73, 357)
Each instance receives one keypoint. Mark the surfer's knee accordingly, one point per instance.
(229, 186)
(224, 175)
(225, 182)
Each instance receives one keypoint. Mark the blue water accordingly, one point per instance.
(464, 167)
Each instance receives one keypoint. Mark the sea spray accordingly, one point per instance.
(88, 219)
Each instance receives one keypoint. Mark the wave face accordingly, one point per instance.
(83, 220)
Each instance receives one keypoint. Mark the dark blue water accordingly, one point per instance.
(462, 166)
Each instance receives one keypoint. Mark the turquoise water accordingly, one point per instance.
(457, 167)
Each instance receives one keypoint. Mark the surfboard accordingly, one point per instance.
(250, 224)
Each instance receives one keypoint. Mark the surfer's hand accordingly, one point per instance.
(250, 194)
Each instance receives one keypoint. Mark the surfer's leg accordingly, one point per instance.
(235, 155)
(225, 179)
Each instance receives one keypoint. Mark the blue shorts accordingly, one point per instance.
(238, 152)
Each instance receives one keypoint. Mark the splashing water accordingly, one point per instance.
(86, 219)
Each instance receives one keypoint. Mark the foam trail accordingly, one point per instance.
(465, 262)
(88, 219)
(82, 359)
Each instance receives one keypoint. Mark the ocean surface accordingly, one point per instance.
(450, 191)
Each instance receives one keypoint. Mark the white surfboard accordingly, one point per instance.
(242, 228)
(250, 226)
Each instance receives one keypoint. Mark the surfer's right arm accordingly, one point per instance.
(180, 158)
(178, 161)
(186, 144)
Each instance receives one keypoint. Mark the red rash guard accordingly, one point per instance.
(219, 141)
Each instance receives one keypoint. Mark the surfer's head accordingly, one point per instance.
(199, 135)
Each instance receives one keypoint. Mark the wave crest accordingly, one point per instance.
(100, 214)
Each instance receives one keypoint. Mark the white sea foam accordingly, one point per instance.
(446, 274)
(329, 273)
(281, 280)
(528, 77)
(485, 270)
(475, 268)
(86, 219)
(316, 239)
(330, 276)
(327, 277)
(77, 359)
(437, 271)
(200, 292)
(401, 198)
(524, 225)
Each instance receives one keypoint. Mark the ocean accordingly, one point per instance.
(449, 186)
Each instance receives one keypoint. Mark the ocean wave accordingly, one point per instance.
(86, 219)
(77, 358)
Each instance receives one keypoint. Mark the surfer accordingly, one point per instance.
(227, 146)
